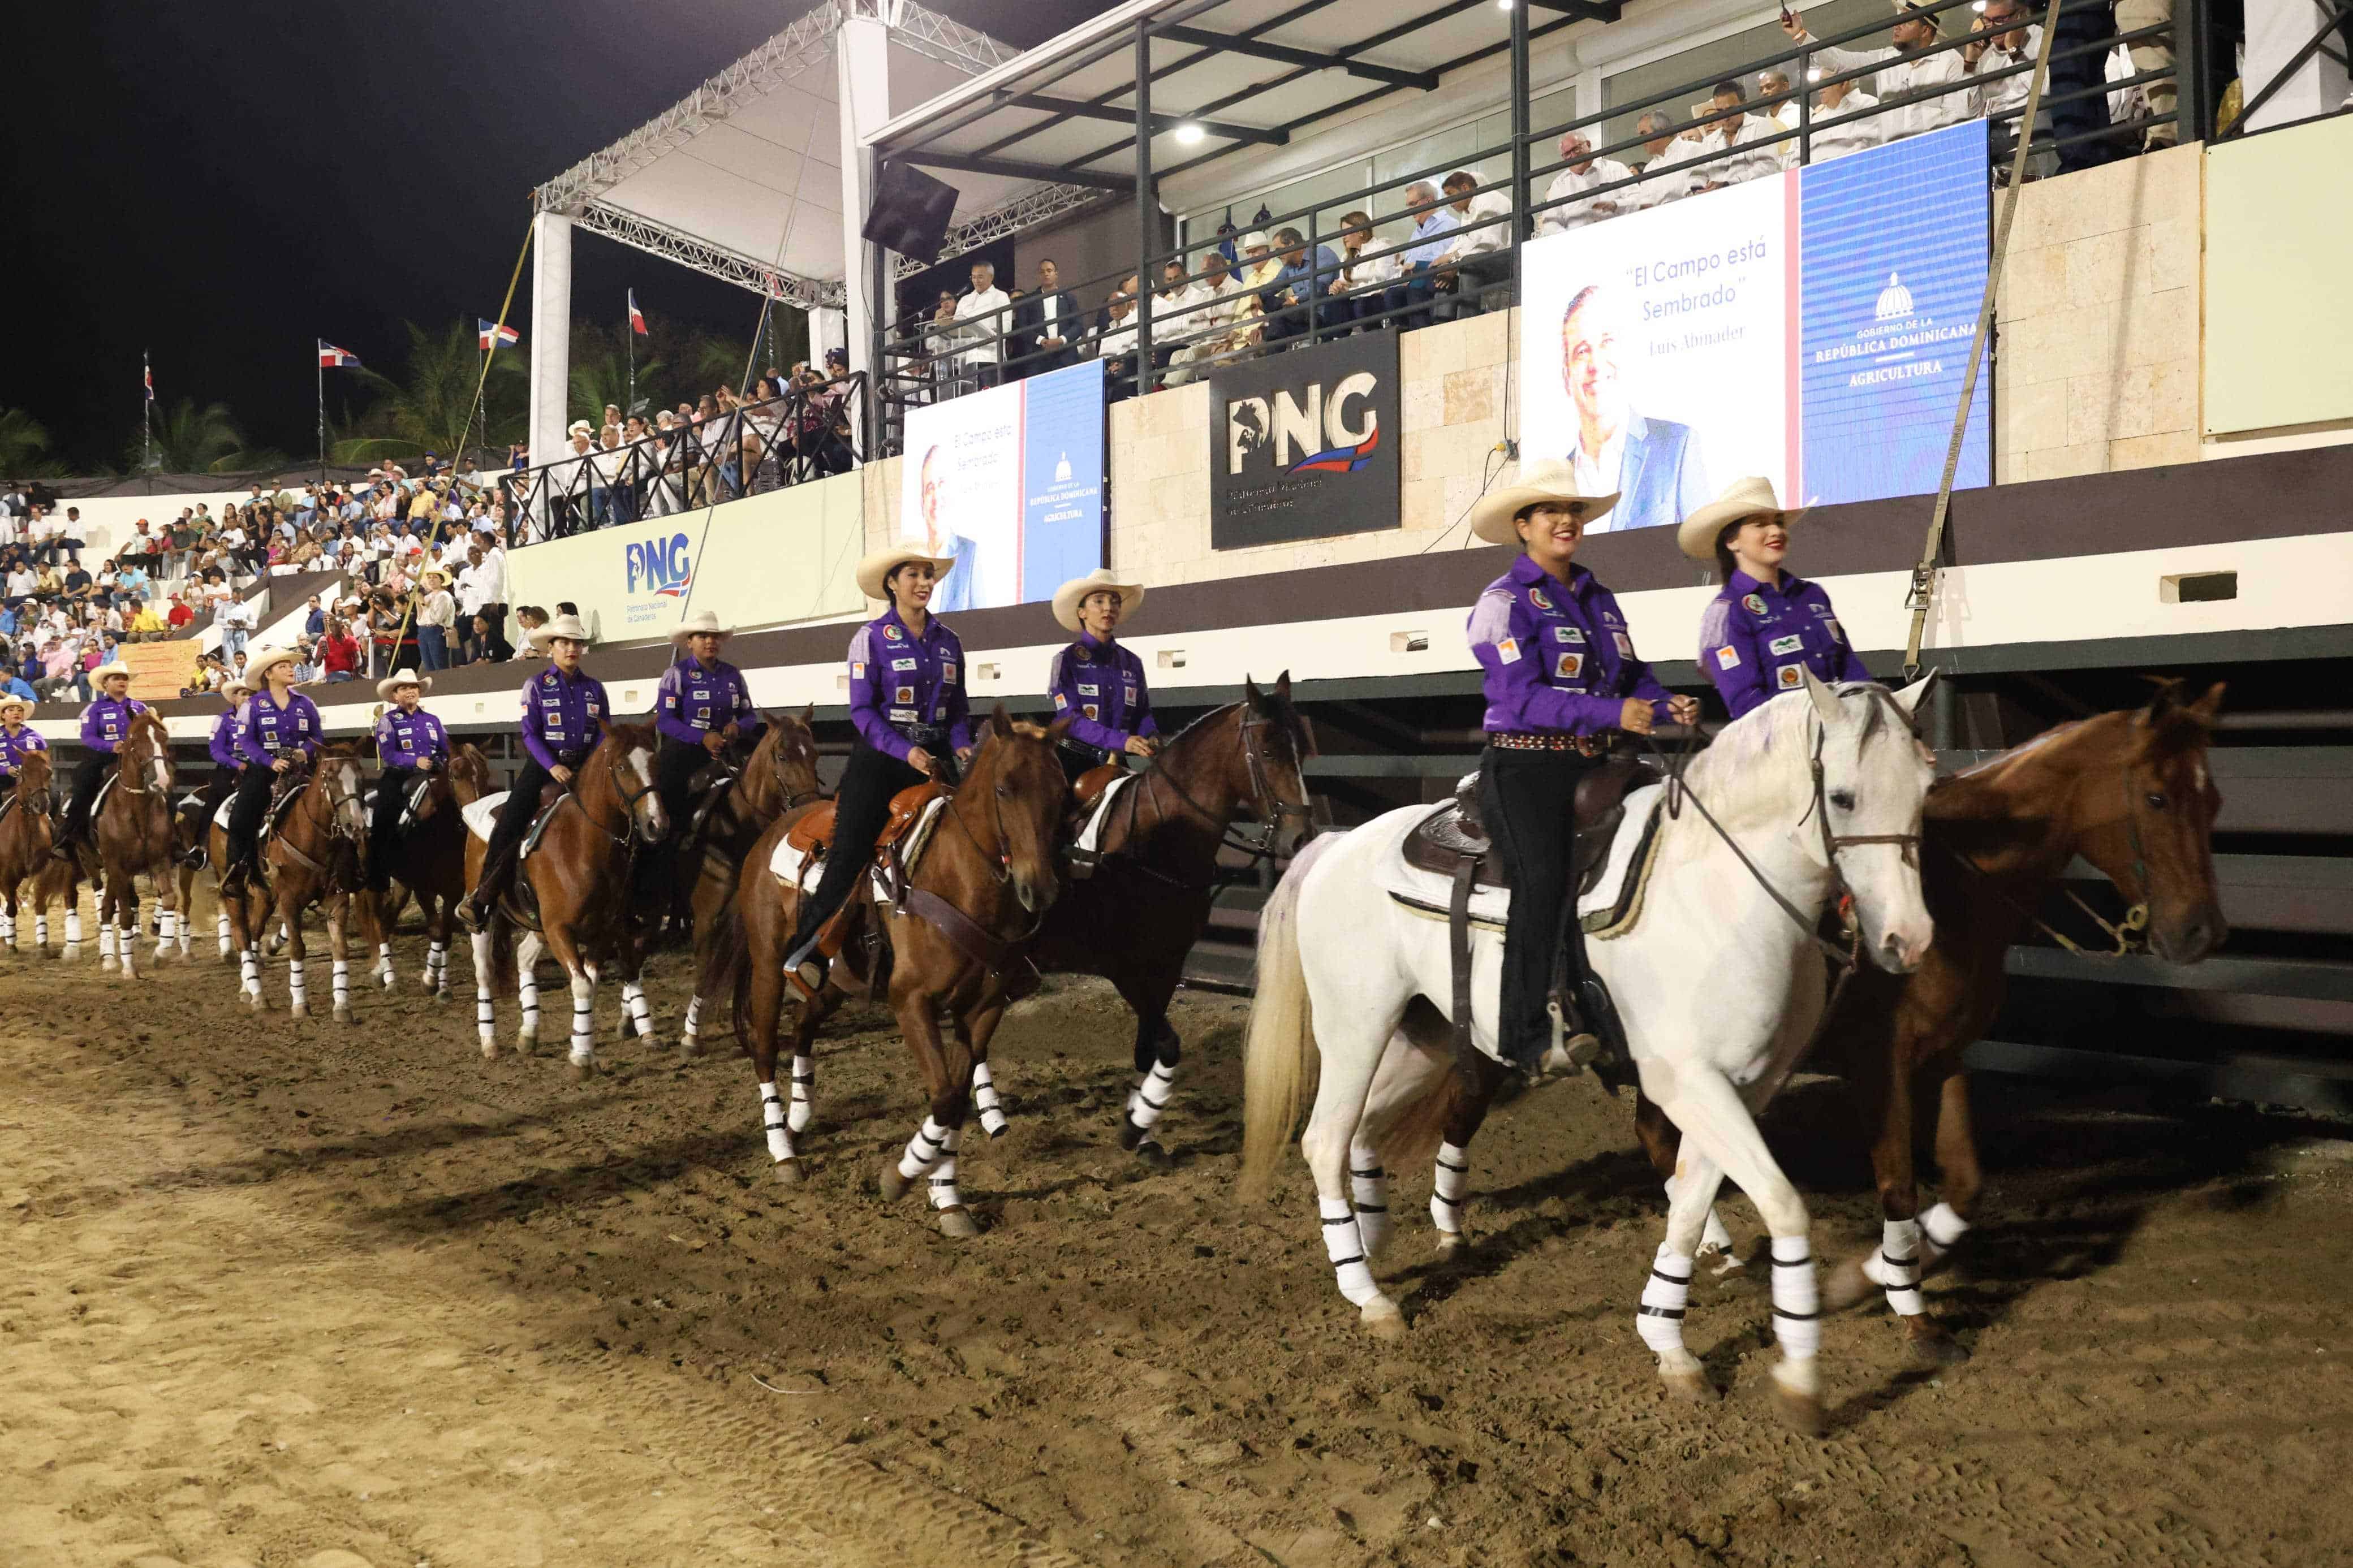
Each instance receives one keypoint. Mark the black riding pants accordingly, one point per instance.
(1528, 800)
(675, 765)
(252, 804)
(516, 816)
(392, 789)
(88, 774)
(862, 807)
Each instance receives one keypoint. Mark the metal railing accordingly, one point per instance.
(1184, 326)
(809, 433)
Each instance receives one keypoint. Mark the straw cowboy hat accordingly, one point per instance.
(1072, 594)
(433, 572)
(580, 427)
(260, 661)
(398, 679)
(874, 572)
(1751, 497)
(565, 627)
(702, 623)
(112, 667)
(1552, 482)
(11, 702)
(239, 686)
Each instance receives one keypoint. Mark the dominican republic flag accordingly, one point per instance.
(147, 374)
(332, 358)
(492, 332)
(636, 317)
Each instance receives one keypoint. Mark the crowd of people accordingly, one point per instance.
(1264, 290)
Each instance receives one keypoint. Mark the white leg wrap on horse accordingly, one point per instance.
(583, 1019)
(1150, 1096)
(924, 1150)
(106, 943)
(485, 1011)
(1940, 1231)
(1370, 1184)
(984, 1096)
(248, 968)
(944, 1187)
(342, 980)
(804, 1110)
(1797, 1302)
(637, 1009)
(171, 927)
(41, 931)
(221, 932)
(1898, 1266)
(1452, 1180)
(1344, 1245)
(73, 925)
(527, 992)
(693, 1028)
(437, 968)
(294, 982)
(772, 1117)
(1665, 1295)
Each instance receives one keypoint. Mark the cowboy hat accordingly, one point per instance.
(398, 679)
(433, 572)
(1751, 497)
(702, 623)
(239, 686)
(260, 661)
(10, 699)
(874, 572)
(1101, 580)
(1551, 482)
(1913, 12)
(112, 667)
(568, 627)
(580, 427)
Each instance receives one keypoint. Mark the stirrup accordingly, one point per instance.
(470, 916)
(806, 968)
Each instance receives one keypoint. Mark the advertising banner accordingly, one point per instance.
(1009, 482)
(1811, 327)
(1305, 445)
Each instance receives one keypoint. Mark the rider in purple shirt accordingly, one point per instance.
(1561, 674)
(702, 707)
(1098, 683)
(907, 701)
(222, 748)
(105, 725)
(278, 732)
(565, 711)
(18, 740)
(1759, 635)
(408, 742)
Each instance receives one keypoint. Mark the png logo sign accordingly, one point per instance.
(660, 572)
(1305, 444)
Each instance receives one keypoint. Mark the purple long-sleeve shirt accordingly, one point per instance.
(562, 717)
(1558, 656)
(1101, 685)
(1756, 641)
(17, 745)
(899, 680)
(106, 722)
(404, 740)
(267, 729)
(695, 698)
(223, 747)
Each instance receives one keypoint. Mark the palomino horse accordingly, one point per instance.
(131, 833)
(955, 943)
(1816, 788)
(313, 857)
(579, 879)
(429, 861)
(781, 776)
(24, 838)
(2129, 793)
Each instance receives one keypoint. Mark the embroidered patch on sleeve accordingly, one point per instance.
(1727, 659)
(1508, 650)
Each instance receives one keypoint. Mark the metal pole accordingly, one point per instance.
(1522, 196)
(146, 411)
(1146, 230)
(2193, 104)
(630, 330)
(322, 419)
(882, 304)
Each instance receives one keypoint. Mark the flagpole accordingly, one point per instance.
(322, 416)
(146, 410)
(630, 330)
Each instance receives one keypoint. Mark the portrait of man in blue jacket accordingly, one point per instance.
(1654, 466)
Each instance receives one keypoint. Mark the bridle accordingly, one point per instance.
(1257, 842)
(630, 836)
(2125, 932)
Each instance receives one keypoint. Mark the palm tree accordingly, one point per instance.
(431, 406)
(192, 440)
(600, 371)
(24, 447)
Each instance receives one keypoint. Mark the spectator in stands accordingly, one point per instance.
(1260, 275)
(2007, 40)
(1742, 147)
(339, 652)
(1299, 289)
(1115, 340)
(1047, 325)
(982, 317)
(530, 617)
(1663, 178)
(1360, 291)
(1583, 174)
(1845, 120)
(147, 626)
(1205, 329)
(489, 559)
(1477, 259)
(492, 640)
(1909, 67)
(234, 618)
(179, 615)
(1769, 84)
(1416, 284)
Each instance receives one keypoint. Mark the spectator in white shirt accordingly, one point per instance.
(1583, 174)
(982, 319)
(1663, 178)
(2006, 41)
(1360, 272)
(1747, 142)
(1115, 342)
(1206, 327)
(1477, 258)
(1783, 114)
(1903, 69)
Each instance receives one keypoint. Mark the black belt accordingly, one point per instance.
(1547, 741)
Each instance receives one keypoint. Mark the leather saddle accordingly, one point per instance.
(1454, 831)
(812, 832)
(1090, 784)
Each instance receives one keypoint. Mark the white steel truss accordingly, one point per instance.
(712, 260)
(1031, 209)
(928, 33)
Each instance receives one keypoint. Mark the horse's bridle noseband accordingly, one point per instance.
(1271, 809)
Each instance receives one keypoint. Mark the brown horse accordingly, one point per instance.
(2129, 792)
(955, 943)
(781, 776)
(130, 833)
(430, 863)
(313, 857)
(25, 835)
(579, 879)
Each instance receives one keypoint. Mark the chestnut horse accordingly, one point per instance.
(314, 856)
(781, 776)
(2129, 793)
(131, 833)
(578, 876)
(25, 834)
(429, 861)
(971, 906)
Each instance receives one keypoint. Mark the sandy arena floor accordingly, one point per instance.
(282, 1293)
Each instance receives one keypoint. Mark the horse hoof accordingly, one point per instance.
(1846, 1285)
(1130, 1135)
(1382, 1320)
(1451, 1244)
(690, 1047)
(489, 1051)
(582, 1068)
(343, 1015)
(1154, 1155)
(1800, 1413)
(893, 1185)
(298, 1010)
(526, 1045)
(789, 1172)
(1931, 1344)
(1691, 1386)
(956, 1224)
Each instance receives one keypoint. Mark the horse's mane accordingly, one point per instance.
(1735, 774)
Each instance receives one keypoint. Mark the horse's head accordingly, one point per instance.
(783, 770)
(1276, 743)
(2147, 823)
(338, 779)
(34, 776)
(469, 773)
(1871, 791)
(630, 753)
(1016, 782)
(146, 754)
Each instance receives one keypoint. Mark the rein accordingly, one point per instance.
(1271, 809)
(2124, 933)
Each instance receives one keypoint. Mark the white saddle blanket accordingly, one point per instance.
(1089, 841)
(799, 872)
(1430, 892)
(483, 815)
(220, 817)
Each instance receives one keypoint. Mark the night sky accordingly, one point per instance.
(224, 183)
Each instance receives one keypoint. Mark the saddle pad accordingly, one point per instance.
(1427, 892)
(97, 801)
(220, 817)
(483, 815)
(910, 848)
(790, 864)
(1090, 831)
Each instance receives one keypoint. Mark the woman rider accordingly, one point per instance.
(281, 732)
(1561, 674)
(222, 748)
(565, 712)
(105, 724)
(18, 740)
(907, 700)
(408, 742)
(702, 707)
(1097, 681)
(1767, 627)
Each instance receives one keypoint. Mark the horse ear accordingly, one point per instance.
(1910, 697)
(2207, 708)
(808, 716)
(1001, 722)
(1825, 699)
(1282, 685)
(1250, 691)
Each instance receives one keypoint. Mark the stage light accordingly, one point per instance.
(1189, 133)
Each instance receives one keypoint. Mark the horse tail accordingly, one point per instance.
(1279, 1058)
(503, 975)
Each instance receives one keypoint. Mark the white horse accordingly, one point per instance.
(1715, 983)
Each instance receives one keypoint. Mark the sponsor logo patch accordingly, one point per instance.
(1508, 650)
(903, 694)
(1755, 603)
(1568, 634)
(857, 669)
(1567, 666)
(1061, 700)
(947, 672)
(895, 633)
(1789, 676)
(1790, 644)
(1089, 710)
(1537, 597)
(902, 664)
(1727, 659)
(1625, 644)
